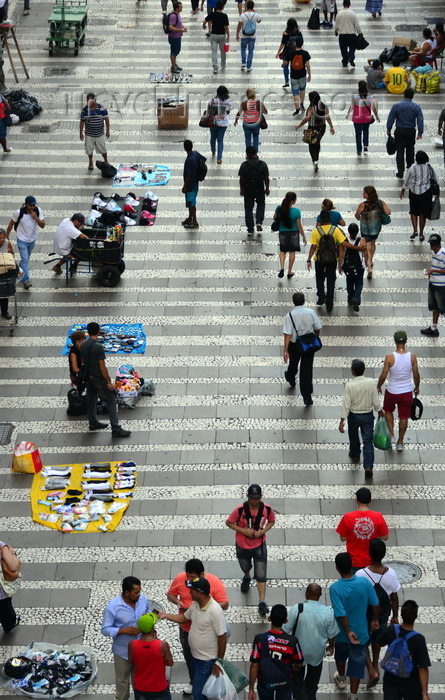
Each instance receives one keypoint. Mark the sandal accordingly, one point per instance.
(413, 236)
(369, 274)
(373, 683)
(290, 274)
(421, 237)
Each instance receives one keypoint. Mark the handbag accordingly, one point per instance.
(308, 343)
(310, 136)
(385, 219)
(263, 122)
(416, 409)
(435, 210)
(361, 43)
(434, 186)
(275, 225)
(391, 145)
(207, 120)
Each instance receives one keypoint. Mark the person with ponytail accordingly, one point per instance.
(362, 106)
(317, 114)
(289, 218)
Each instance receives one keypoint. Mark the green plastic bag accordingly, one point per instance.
(238, 678)
(382, 438)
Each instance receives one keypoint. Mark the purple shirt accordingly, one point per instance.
(176, 21)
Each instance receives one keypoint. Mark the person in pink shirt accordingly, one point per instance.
(175, 31)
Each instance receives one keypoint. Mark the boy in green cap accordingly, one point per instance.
(149, 656)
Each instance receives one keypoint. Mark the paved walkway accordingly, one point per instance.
(212, 308)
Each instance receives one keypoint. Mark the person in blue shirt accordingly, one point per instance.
(350, 597)
(407, 115)
(191, 184)
(336, 217)
(120, 622)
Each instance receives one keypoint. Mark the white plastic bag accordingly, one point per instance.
(220, 688)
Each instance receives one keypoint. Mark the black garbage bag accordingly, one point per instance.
(23, 104)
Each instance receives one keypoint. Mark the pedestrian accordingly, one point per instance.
(363, 106)
(300, 71)
(150, 656)
(386, 585)
(359, 526)
(441, 131)
(425, 51)
(406, 114)
(326, 246)
(315, 627)
(251, 522)
(191, 183)
(415, 686)
(8, 616)
(210, 6)
(317, 115)
(26, 222)
(375, 75)
(347, 28)
(207, 636)
(290, 230)
(418, 180)
(120, 622)
(240, 5)
(75, 361)
(66, 233)
(350, 597)
(254, 187)
(99, 384)
(179, 594)
(4, 107)
(439, 35)
(436, 284)
(396, 79)
(369, 213)
(219, 106)
(5, 247)
(287, 41)
(252, 111)
(281, 648)
(360, 400)
(353, 266)
(334, 216)
(175, 31)
(219, 34)
(95, 122)
(326, 5)
(400, 367)
(374, 7)
(298, 322)
(247, 24)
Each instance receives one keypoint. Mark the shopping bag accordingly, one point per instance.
(220, 688)
(435, 210)
(238, 678)
(26, 458)
(382, 438)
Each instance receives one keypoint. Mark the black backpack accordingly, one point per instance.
(253, 523)
(201, 171)
(22, 213)
(314, 19)
(352, 263)
(384, 601)
(166, 21)
(327, 247)
(77, 405)
(253, 180)
(106, 169)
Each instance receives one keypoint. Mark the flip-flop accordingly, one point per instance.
(413, 236)
(421, 237)
(373, 683)
(91, 168)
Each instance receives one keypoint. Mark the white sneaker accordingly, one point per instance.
(393, 443)
(188, 690)
(340, 684)
(400, 447)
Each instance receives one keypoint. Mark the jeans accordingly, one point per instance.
(249, 202)
(354, 286)
(8, 617)
(306, 367)
(305, 682)
(184, 639)
(405, 141)
(25, 250)
(251, 134)
(347, 44)
(217, 136)
(274, 693)
(217, 41)
(249, 44)
(202, 670)
(364, 422)
(359, 130)
(326, 272)
(286, 73)
(95, 388)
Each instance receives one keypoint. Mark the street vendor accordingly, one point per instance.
(5, 247)
(66, 233)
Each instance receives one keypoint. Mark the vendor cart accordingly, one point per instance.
(8, 291)
(67, 25)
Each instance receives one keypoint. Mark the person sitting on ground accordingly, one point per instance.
(424, 52)
(396, 79)
(66, 233)
(375, 75)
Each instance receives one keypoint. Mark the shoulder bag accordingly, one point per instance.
(369, 110)
(275, 225)
(208, 118)
(434, 185)
(300, 610)
(384, 218)
(435, 210)
(311, 134)
(308, 343)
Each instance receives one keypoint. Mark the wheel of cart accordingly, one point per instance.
(8, 291)
(67, 25)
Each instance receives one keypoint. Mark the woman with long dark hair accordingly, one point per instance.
(289, 34)
(369, 214)
(418, 183)
(289, 232)
(362, 106)
(220, 107)
(317, 114)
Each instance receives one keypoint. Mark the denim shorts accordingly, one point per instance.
(297, 84)
(175, 45)
(259, 556)
(190, 197)
(436, 298)
(356, 656)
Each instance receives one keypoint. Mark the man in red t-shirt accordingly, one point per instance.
(179, 594)
(359, 527)
(150, 656)
(251, 521)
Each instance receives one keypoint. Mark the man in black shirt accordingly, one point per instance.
(99, 383)
(415, 687)
(219, 33)
(300, 73)
(254, 187)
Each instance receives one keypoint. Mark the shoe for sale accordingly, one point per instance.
(341, 684)
(188, 690)
(263, 609)
(7, 316)
(245, 584)
(429, 331)
(120, 432)
(98, 426)
(27, 285)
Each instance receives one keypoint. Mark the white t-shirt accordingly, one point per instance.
(388, 581)
(208, 623)
(27, 229)
(254, 16)
(64, 236)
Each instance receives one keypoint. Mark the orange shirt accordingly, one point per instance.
(180, 590)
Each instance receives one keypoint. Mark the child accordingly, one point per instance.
(374, 75)
(353, 266)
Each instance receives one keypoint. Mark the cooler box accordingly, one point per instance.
(172, 113)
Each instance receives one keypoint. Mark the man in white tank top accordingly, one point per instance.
(401, 369)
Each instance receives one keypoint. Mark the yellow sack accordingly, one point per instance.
(432, 82)
(26, 458)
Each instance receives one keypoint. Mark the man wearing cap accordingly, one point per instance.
(26, 222)
(360, 400)
(150, 656)
(251, 521)
(179, 594)
(66, 233)
(120, 622)
(207, 636)
(401, 369)
(358, 527)
(92, 120)
(436, 285)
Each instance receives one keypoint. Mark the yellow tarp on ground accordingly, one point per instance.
(37, 494)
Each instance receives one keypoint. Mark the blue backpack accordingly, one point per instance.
(250, 28)
(397, 659)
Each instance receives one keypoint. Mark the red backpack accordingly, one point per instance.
(297, 62)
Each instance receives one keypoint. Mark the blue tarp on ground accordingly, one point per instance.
(111, 331)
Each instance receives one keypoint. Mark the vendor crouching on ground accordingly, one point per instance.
(66, 233)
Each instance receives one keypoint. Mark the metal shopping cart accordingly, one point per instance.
(7, 291)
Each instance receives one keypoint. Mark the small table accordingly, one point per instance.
(6, 31)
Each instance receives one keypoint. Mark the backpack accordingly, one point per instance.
(22, 213)
(274, 672)
(352, 263)
(297, 62)
(106, 169)
(77, 405)
(384, 601)
(166, 21)
(397, 659)
(253, 524)
(250, 28)
(201, 171)
(253, 180)
(314, 19)
(327, 248)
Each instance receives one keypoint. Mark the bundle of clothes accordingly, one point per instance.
(23, 105)
(132, 210)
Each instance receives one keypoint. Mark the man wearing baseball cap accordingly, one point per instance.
(251, 521)
(149, 656)
(26, 222)
(207, 636)
(401, 369)
(358, 527)
(436, 286)
(66, 233)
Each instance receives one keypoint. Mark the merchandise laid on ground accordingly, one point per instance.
(117, 338)
(141, 175)
(170, 78)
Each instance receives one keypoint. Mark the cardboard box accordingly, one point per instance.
(403, 41)
(175, 117)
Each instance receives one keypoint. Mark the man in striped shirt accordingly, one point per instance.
(436, 287)
(92, 120)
